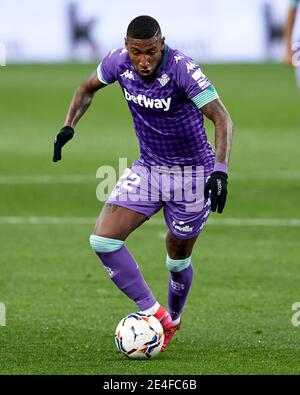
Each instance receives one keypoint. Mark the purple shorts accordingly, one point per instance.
(178, 190)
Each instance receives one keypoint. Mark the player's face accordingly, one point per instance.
(145, 54)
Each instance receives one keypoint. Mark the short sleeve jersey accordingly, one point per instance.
(166, 112)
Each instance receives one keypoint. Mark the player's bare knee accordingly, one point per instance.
(116, 222)
(179, 248)
(109, 232)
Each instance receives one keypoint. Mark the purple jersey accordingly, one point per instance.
(166, 112)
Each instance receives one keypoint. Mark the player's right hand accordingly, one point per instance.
(65, 134)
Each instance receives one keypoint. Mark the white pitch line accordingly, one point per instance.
(47, 220)
(90, 178)
(33, 220)
(256, 221)
(49, 179)
(293, 222)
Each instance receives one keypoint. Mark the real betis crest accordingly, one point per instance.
(164, 79)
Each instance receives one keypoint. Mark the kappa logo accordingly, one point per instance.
(178, 58)
(206, 214)
(111, 52)
(207, 203)
(109, 271)
(191, 66)
(164, 79)
(148, 102)
(128, 74)
(182, 227)
(202, 225)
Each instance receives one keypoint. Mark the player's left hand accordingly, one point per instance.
(217, 186)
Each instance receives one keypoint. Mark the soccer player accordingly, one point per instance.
(167, 94)
(288, 34)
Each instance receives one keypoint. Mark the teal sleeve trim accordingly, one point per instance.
(294, 3)
(205, 97)
(104, 244)
(164, 57)
(100, 76)
(177, 265)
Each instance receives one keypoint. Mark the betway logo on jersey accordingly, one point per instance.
(145, 101)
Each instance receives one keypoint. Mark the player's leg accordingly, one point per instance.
(115, 223)
(179, 264)
(185, 221)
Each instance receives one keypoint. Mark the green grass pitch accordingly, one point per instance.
(61, 308)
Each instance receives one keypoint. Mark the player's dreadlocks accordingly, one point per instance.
(143, 27)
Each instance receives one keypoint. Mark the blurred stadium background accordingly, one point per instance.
(61, 309)
(214, 31)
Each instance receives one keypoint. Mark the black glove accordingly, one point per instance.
(65, 134)
(217, 184)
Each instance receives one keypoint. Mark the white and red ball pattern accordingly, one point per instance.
(139, 336)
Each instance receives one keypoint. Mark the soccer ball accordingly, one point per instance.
(139, 336)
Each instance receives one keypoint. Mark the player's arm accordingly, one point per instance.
(288, 31)
(82, 99)
(217, 184)
(217, 113)
(80, 102)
